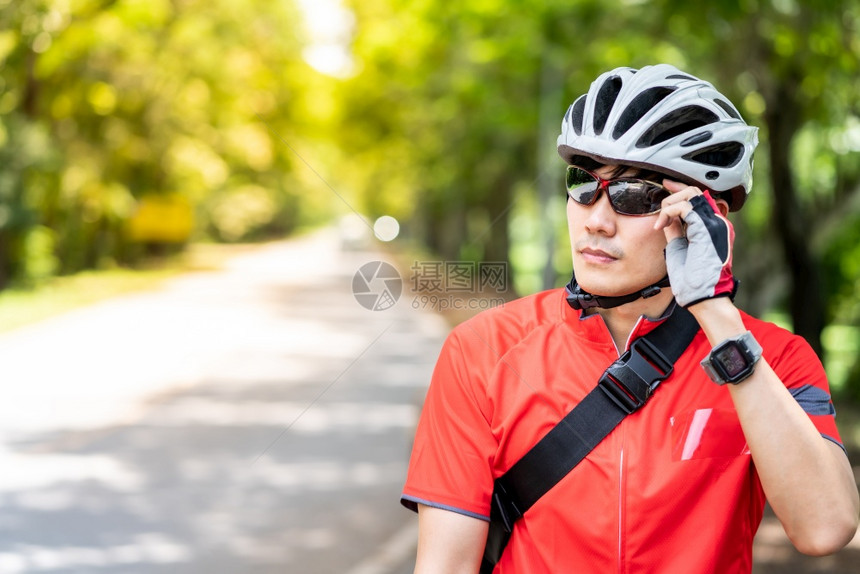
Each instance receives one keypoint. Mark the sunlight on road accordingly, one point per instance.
(246, 420)
(152, 548)
(336, 417)
(91, 366)
(33, 471)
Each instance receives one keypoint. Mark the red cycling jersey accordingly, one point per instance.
(671, 489)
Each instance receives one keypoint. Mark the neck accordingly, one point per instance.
(622, 319)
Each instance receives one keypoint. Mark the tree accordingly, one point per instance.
(110, 104)
(456, 91)
(793, 66)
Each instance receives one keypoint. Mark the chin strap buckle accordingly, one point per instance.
(579, 299)
(651, 291)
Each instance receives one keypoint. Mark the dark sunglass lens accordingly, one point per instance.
(577, 177)
(584, 194)
(582, 187)
(636, 197)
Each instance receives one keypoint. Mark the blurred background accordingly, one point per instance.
(189, 147)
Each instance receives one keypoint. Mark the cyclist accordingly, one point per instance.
(656, 160)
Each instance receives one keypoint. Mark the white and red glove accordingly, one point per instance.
(700, 263)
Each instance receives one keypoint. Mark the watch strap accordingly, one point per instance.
(752, 347)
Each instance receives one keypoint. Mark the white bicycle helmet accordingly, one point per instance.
(663, 119)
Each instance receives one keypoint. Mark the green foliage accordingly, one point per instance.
(106, 103)
(446, 111)
(451, 123)
(448, 123)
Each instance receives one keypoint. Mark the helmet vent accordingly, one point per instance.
(605, 100)
(721, 155)
(681, 77)
(697, 139)
(640, 106)
(676, 123)
(728, 108)
(577, 113)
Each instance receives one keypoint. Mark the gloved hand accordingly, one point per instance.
(700, 263)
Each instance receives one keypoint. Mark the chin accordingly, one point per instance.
(596, 286)
(607, 284)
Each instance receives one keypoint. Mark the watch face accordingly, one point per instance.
(732, 360)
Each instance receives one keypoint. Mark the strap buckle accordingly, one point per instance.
(504, 507)
(630, 380)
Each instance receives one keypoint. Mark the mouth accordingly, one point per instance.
(592, 255)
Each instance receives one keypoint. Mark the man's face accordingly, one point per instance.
(614, 254)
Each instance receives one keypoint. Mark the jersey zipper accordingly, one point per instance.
(622, 486)
(630, 336)
(622, 477)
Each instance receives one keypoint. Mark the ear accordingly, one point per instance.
(723, 206)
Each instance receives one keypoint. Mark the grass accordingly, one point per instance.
(20, 306)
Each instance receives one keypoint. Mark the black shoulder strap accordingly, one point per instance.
(623, 388)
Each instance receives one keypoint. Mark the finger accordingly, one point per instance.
(679, 189)
(674, 230)
(674, 186)
(663, 220)
(673, 208)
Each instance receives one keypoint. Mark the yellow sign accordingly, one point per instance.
(162, 219)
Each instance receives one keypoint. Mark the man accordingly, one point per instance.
(657, 158)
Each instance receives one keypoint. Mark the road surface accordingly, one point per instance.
(254, 419)
(251, 420)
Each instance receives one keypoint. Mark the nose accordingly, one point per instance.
(601, 217)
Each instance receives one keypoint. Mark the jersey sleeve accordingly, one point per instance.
(802, 373)
(452, 456)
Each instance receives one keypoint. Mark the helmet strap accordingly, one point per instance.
(581, 299)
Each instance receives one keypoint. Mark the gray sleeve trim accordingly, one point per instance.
(833, 440)
(412, 503)
(813, 400)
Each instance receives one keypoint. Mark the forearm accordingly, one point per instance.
(806, 478)
(449, 543)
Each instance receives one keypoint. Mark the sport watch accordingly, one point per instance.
(733, 360)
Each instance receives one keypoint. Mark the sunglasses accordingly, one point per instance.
(627, 195)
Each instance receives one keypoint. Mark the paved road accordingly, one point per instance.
(251, 420)
(256, 419)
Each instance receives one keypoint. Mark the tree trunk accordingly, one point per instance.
(497, 242)
(806, 299)
(4, 260)
(30, 96)
(550, 108)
